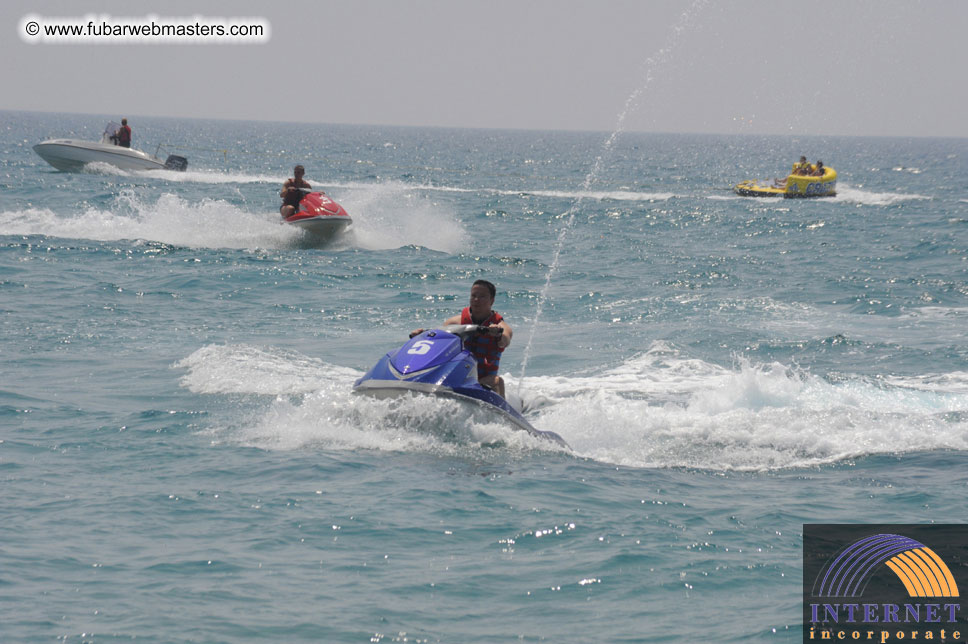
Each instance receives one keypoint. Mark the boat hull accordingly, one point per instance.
(71, 155)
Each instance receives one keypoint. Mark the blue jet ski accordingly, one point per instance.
(435, 362)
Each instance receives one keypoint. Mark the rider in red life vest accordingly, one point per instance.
(486, 347)
(124, 134)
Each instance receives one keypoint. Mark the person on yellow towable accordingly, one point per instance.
(804, 180)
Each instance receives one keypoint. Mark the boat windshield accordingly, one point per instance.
(109, 131)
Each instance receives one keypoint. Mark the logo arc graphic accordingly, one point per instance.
(920, 569)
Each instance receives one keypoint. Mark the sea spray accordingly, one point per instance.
(695, 414)
(650, 66)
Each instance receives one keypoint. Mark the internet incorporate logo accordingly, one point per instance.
(922, 572)
(885, 584)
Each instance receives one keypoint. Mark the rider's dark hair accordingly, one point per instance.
(490, 287)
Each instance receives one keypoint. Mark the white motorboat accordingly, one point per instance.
(71, 155)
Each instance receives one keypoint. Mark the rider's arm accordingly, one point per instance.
(505, 339)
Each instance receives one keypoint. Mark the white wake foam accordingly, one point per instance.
(217, 177)
(393, 214)
(598, 195)
(384, 217)
(311, 404)
(191, 175)
(210, 223)
(658, 409)
(850, 194)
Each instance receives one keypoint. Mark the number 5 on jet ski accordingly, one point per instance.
(488, 345)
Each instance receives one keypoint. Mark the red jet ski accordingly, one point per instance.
(320, 216)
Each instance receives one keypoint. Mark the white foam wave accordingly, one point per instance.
(187, 176)
(243, 369)
(658, 409)
(313, 405)
(222, 177)
(845, 192)
(210, 223)
(391, 215)
(191, 175)
(384, 216)
(611, 195)
(213, 177)
(98, 167)
(607, 195)
(941, 383)
(662, 410)
(936, 312)
(850, 194)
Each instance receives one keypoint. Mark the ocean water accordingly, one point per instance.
(181, 458)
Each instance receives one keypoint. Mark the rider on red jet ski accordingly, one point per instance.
(292, 192)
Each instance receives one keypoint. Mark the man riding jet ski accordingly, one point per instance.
(311, 210)
(487, 346)
(459, 360)
(293, 190)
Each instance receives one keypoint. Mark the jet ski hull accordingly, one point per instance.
(320, 216)
(395, 390)
(435, 363)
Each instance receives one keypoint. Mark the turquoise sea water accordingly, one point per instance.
(182, 460)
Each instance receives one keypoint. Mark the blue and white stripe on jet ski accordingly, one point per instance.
(399, 375)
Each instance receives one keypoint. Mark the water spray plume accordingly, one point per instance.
(631, 103)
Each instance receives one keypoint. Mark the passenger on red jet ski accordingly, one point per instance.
(292, 192)
(486, 347)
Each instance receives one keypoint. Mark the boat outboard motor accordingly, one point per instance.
(175, 162)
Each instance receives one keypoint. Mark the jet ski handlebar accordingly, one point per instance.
(463, 330)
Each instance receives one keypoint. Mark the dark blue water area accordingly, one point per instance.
(182, 457)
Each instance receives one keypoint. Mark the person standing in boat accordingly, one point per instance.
(291, 192)
(122, 136)
(488, 346)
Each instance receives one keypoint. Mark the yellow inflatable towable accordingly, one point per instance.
(795, 185)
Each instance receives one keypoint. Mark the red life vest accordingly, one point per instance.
(124, 136)
(484, 347)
